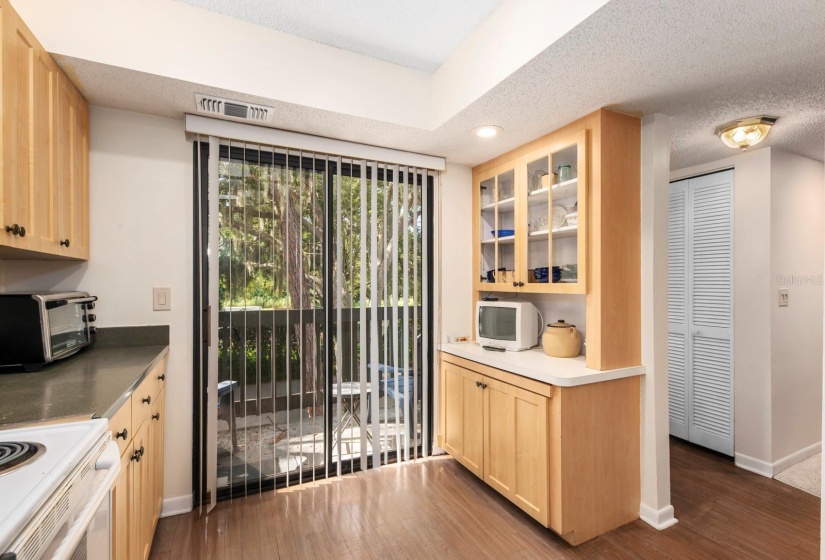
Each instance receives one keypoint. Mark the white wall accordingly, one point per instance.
(752, 299)
(778, 229)
(141, 236)
(455, 252)
(797, 245)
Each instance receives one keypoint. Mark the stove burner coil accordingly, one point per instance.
(15, 454)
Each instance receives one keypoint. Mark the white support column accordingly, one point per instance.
(822, 515)
(655, 508)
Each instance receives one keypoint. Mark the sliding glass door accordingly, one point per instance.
(323, 316)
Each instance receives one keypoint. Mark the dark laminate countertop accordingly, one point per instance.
(92, 383)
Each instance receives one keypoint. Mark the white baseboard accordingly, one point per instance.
(658, 519)
(753, 465)
(796, 457)
(176, 506)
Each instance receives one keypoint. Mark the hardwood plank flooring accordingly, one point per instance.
(438, 509)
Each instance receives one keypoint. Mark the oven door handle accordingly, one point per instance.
(109, 460)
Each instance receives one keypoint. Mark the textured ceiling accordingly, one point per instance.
(419, 34)
(701, 61)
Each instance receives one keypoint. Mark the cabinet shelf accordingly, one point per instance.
(509, 240)
(504, 205)
(566, 189)
(564, 231)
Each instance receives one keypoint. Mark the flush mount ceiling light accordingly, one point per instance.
(744, 133)
(487, 131)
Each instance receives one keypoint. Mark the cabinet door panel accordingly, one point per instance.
(531, 454)
(141, 495)
(452, 387)
(73, 174)
(29, 150)
(499, 441)
(473, 420)
(156, 457)
(463, 420)
(122, 519)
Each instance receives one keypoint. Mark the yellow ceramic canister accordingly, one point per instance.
(561, 340)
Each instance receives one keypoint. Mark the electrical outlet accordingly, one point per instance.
(783, 297)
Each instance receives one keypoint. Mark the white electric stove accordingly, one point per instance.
(55, 491)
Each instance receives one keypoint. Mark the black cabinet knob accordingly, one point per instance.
(515, 284)
(13, 229)
(22, 231)
(162, 377)
(141, 451)
(136, 456)
(147, 400)
(65, 243)
(124, 434)
(156, 416)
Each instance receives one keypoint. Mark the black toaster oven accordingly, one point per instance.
(38, 328)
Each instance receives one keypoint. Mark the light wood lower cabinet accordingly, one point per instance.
(137, 496)
(567, 456)
(122, 516)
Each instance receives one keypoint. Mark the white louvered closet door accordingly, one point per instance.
(700, 311)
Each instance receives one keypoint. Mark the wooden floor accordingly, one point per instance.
(437, 509)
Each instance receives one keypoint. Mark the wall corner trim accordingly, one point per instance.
(753, 465)
(176, 506)
(658, 519)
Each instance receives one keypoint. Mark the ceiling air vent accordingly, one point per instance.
(233, 109)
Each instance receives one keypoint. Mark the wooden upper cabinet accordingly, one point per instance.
(530, 215)
(73, 172)
(569, 201)
(44, 195)
(29, 92)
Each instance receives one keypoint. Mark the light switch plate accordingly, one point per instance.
(783, 297)
(162, 299)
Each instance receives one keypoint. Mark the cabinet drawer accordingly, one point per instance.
(121, 426)
(142, 400)
(159, 373)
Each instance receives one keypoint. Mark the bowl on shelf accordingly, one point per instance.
(503, 232)
(556, 274)
(541, 274)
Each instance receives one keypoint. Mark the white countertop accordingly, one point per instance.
(535, 364)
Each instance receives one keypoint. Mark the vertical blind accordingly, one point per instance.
(324, 314)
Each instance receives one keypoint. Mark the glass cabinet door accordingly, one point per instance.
(555, 258)
(497, 235)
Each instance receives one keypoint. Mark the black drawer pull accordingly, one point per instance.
(162, 377)
(65, 243)
(147, 400)
(156, 416)
(124, 434)
(136, 456)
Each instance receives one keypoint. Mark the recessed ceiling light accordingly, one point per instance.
(744, 133)
(487, 131)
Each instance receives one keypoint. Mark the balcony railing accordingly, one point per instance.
(253, 351)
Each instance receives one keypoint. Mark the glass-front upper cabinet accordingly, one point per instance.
(496, 196)
(555, 257)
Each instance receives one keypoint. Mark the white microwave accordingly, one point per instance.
(511, 325)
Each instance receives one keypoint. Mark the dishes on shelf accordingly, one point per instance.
(559, 216)
(503, 232)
